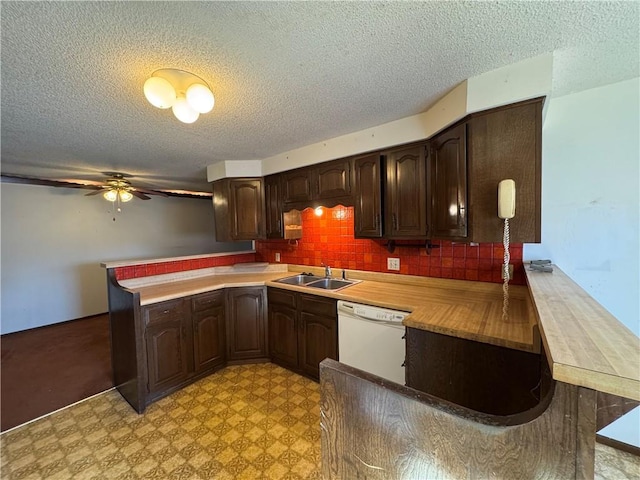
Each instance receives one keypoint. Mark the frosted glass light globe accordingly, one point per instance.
(183, 111)
(110, 195)
(200, 98)
(125, 196)
(159, 92)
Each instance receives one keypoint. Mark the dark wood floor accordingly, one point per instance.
(50, 367)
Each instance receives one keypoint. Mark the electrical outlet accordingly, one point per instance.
(510, 270)
(277, 256)
(393, 264)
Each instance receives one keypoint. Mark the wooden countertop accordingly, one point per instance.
(585, 344)
(471, 310)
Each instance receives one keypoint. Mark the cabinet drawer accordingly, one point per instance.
(207, 300)
(282, 297)
(318, 305)
(163, 312)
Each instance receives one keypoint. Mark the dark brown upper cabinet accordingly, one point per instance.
(368, 196)
(505, 142)
(238, 206)
(406, 193)
(273, 203)
(327, 183)
(447, 169)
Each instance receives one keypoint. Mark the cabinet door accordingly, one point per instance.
(483, 377)
(246, 209)
(298, 186)
(246, 325)
(318, 339)
(283, 338)
(273, 204)
(506, 143)
(448, 172)
(208, 320)
(406, 188)
(318, 332)
(333, 179)
(368, 201)
(167, 354)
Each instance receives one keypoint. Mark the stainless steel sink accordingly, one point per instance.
(299, 279)
(304, 280)
(330, 284)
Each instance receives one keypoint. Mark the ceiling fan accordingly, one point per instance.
(116, 187)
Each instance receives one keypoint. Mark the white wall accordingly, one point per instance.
(591, 204)
(53, 240)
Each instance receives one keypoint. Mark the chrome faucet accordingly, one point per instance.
(327, 270)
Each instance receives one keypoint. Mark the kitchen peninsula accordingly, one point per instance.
(471, 311)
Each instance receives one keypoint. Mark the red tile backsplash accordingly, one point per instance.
(159, 268)
(329, 239)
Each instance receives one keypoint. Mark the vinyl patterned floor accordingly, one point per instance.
(244, 422)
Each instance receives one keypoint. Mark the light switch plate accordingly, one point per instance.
(393, 264)
(277, 256)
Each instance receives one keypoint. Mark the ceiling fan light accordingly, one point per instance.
(200, 98)
(111, 195)
(183, 111)
(159, 92)
(125, 195)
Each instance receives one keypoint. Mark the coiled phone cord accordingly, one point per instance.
(505, 271)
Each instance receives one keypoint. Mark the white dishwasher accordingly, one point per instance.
(372, 339)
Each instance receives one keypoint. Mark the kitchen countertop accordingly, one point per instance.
(585, 344)
(471, 310)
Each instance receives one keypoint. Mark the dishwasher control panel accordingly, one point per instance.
(368, 312)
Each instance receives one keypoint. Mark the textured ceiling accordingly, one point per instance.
(285, 74)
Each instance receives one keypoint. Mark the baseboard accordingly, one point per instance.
(56, 411)
(4, 335)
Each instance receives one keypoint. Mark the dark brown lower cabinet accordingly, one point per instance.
(246, 324)
(303, 330)
(167, 354)
(283, 328)
(318, 333)
(479, 376)
(208, 320)
(183, 340)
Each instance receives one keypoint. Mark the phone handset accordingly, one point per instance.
(507, 199)
(506, 210)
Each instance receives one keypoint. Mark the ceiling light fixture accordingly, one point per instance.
(113, 194)
(185, 93)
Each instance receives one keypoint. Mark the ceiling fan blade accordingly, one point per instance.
(8, 178)
(140, 195)
(95, 192)
(150, 192)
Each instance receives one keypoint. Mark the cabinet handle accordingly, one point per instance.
(404, 336)
(165, 312)
(394, 218)
(461, 209)
(278, 224)
(377, 221)
(404, 364)
(318, 187)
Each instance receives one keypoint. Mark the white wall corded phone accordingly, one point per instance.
(506, 210)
